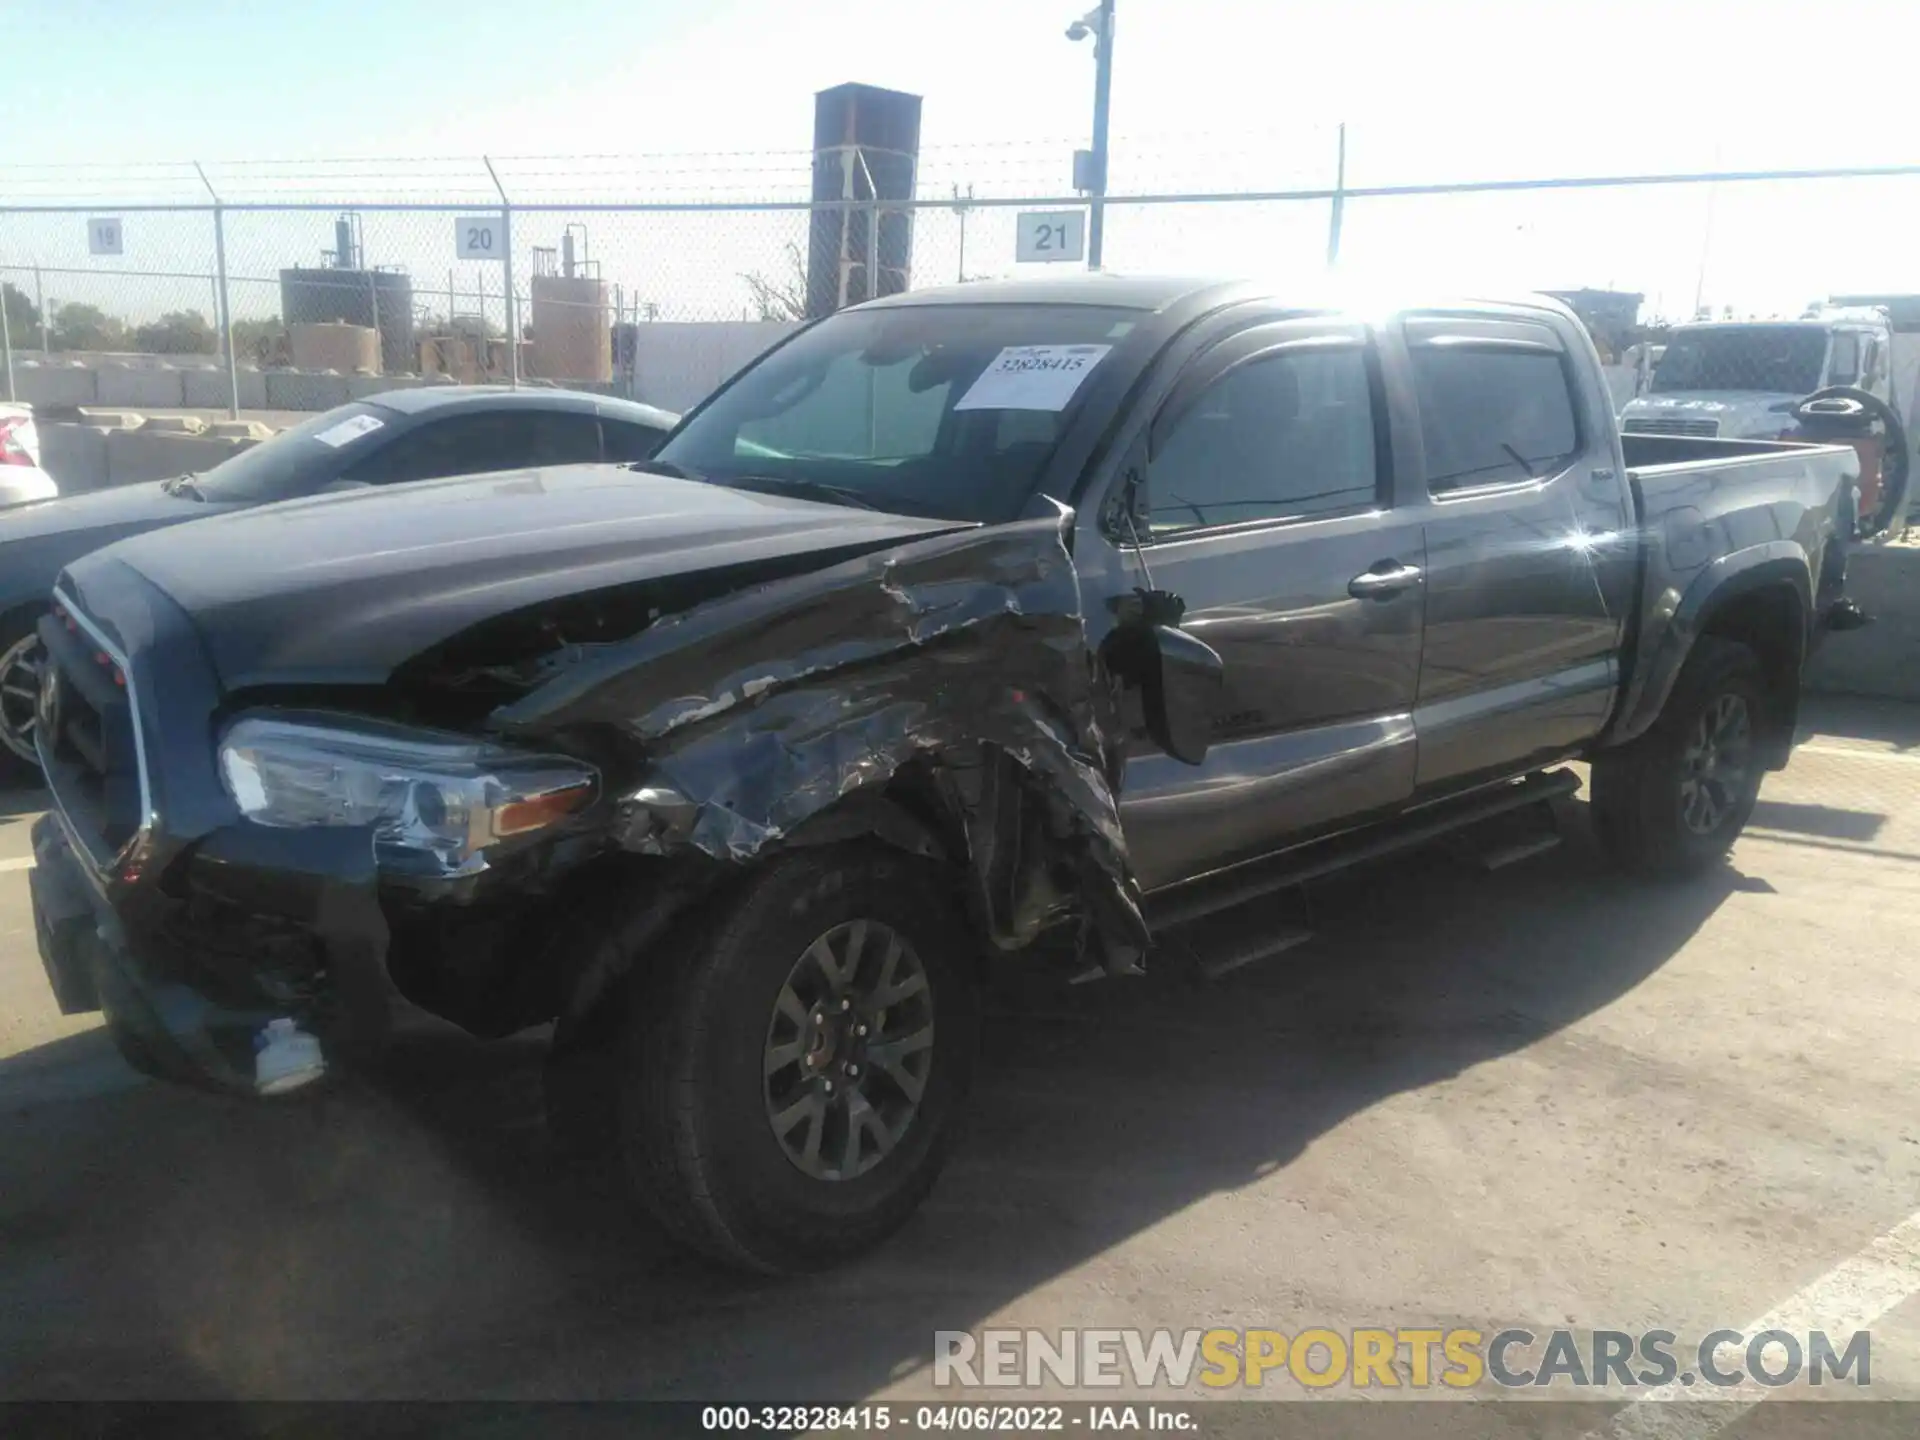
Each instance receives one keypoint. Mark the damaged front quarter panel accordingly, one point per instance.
(961, 661)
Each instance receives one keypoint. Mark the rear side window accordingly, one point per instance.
(558, 437)
(626, 441)
(474, 443)
(1493, 416)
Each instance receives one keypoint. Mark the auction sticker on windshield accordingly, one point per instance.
(1033, 377)
(349, 430)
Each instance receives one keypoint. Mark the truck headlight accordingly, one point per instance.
(435, 801)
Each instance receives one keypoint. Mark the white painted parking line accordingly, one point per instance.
(1849, 1297)
(24, 862)
(1855, 753)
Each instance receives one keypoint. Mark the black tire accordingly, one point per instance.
(16, 769)
(1640, 792)
(695, 1120)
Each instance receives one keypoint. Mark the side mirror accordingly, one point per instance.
(1181, 678)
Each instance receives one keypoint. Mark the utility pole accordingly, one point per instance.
(962, 208)
(222, 296)
(512, 297)
(1339, 200)
(1090, 166)
(1102, 96)
(6, 341)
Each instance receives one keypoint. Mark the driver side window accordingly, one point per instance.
(1844, 367)
(1284, 436)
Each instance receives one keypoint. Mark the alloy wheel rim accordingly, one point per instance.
(1716, 765)
(20, 696)
(849, 1050)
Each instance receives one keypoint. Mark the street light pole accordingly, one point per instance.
(1102, 94)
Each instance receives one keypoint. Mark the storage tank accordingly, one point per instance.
(317, 296)
(572, 329)
(330, 345)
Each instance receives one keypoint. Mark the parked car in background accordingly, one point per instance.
(1084, 608)
(21, 478)
(393, 438)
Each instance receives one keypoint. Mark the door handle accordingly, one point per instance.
(1383, 581)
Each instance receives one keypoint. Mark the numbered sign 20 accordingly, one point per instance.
(104, 236)
(479, 237)
(1044, 235)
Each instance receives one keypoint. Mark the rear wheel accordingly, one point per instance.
(1674, 801)
(20, 660)
(791, 1089)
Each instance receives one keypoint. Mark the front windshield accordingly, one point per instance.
(1776, 359)
(946, 411)
(297, 460)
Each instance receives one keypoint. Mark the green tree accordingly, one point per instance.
(178, 332)
(23, 317)
(258, 338)
(86, 327)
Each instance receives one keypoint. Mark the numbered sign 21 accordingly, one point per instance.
(1044, 235)
(105, 237)
(479, 237)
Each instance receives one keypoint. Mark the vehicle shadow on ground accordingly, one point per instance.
(420, 1237)
(21, 805)
(1893, 723)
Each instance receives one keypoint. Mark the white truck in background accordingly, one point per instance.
(1740, 379)
(1752, 380)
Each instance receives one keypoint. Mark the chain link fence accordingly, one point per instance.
(360, 268)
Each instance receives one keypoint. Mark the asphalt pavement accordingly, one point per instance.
(1543, 1096)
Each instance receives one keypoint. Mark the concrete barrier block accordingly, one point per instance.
(175, 424)
(364, 387)
(111, 419)
(151, 389)
(241, 430)
(300, 390)
(74, 455)
(1883, 660)
(207, 389)
(134, 456)
(54, 385)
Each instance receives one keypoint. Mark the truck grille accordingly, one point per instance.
(88, 735)
(1662, 425)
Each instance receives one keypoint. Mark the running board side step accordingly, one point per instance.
(1227, 889)
(1520, 850)
(1265, 947)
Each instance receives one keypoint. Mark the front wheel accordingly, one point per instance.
(20, 661)
(1673, 801)
(792, 1085)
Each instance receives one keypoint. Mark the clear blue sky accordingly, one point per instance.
(1431, 91)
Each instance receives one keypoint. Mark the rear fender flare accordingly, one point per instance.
(1677, 621)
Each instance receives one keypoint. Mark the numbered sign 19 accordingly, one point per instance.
(479, 237)
(105, 237)
(1044, 235)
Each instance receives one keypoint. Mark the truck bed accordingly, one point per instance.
(1647, 451)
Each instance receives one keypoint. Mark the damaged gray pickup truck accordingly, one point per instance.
(959, 622)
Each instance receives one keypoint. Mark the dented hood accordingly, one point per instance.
(342, 589)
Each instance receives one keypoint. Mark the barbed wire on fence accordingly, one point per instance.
(252, 245)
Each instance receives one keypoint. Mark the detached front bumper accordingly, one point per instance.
(255, 946)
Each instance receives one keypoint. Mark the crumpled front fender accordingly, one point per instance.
(964, 656)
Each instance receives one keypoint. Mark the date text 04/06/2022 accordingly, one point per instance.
(978, 1419)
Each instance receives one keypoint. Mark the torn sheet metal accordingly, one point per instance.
(965, 652)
